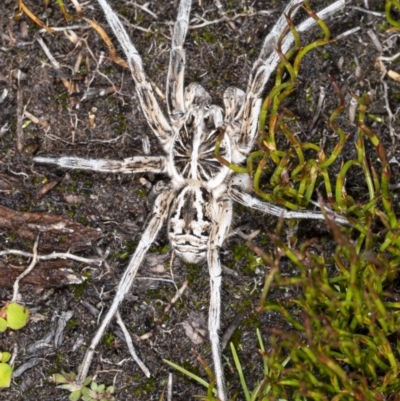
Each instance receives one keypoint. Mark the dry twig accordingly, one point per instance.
(26, 272)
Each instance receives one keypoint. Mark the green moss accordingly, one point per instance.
(216, 82)
(325, 54)
(147, 388)
(193, 272)
(239, 252)
(63, 100)
(188, 365)
(72, 323)
(129, 249)
(161, 249)
(142, 193)
(308, 93)
(79, 289)
(236, 339)
(109, 71)
(58, 361)
(72, 189)
(209, 37)
(83, 220)
(108, 339)
(119, 123)
(383, 26)
(11, 237)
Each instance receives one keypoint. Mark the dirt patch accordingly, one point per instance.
(218, 55)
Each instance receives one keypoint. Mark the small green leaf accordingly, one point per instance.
(87, 381)
(71, 387)
(101, 388)
(3, 324)
(92, 394)
(59, 378)
(5, 357)
(85, 391)
(5, 375)
(75, 395)
(17, 316)
(71, 375)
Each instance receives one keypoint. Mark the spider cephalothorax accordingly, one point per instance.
(197, 202)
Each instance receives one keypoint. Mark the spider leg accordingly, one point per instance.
(233, 101)
(219, 231)
(238, 191)
(176, 71)
(271, 39)
(137, 164)
(150, 107)
(159, 215)
(262, 70)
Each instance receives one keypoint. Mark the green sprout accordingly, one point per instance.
(96, 392)
(13, 316)
(68, 382)
(5, 370)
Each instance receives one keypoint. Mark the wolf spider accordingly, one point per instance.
(196, 202)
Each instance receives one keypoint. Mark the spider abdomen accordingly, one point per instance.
(190, 223)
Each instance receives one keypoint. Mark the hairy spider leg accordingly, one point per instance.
(158, 217)
(259, 75)
(154, 116)
(233, 100)
(176, 71)
(218, 234)
(262, 70)
(137, 164)
(240, 188)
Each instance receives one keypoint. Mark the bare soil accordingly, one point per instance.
(108, 212)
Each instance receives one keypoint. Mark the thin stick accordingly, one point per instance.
(222, 12)
(55, 255)
(53, 61)
(391, 58)
(78, 7)
(168, 307)
(20, 116)
(169, 392)
(227, 19)
(132, 351)
(374, 13)
(25, 272)
(144, 8)
(176, 297)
